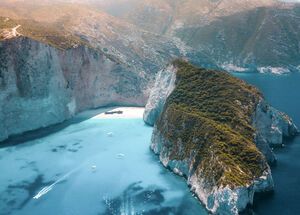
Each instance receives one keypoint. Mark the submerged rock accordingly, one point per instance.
(216, 131)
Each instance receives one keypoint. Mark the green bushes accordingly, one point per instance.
(49, 34)
(209, 115)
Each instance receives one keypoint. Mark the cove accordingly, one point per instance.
(104, 166)
(96, 166)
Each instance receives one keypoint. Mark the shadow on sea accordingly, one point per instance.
(148, 200)
(30, 187)
(45, 131)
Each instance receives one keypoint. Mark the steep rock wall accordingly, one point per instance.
(164, 85)
(41, 85)
(271, 127)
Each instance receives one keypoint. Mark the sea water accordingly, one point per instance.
(106, 167)
(282, 92)
(93, 167)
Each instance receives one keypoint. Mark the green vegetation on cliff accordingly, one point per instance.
(45, 33)
(208, 116)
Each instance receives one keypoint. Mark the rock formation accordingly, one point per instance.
(41, 85)
(215, 130)
(164, 85)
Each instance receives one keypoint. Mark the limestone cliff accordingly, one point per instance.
(215, 130)
(41, 84)
(272, 126)
(164, 85)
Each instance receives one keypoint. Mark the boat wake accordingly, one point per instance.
(46, 189)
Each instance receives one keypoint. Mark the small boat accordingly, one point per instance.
(114, 112)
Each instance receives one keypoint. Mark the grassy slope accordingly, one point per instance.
(49, 34)
(210, 113)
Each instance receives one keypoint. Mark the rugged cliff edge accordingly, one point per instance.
(216, 131)
(42, 84)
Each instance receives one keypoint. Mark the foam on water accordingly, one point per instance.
(46, 189)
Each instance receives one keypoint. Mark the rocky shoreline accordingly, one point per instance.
(271, 127)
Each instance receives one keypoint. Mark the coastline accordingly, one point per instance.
(125, 113)
(98, 113)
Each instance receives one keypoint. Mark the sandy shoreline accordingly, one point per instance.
(128, 113)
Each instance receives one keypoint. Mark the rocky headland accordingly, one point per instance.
(216, 131)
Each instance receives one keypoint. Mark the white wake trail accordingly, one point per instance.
(46, 189)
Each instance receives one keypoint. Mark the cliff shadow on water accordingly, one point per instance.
(46, 131)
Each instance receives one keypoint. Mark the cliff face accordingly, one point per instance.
(41, 85)
(164, 85)
(215, 130)
(272, 126)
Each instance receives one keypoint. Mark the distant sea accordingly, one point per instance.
(283, 93)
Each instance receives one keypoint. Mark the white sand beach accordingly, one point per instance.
(127, 113)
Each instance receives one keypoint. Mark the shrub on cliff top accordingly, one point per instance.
(49, 34)
(209, 115)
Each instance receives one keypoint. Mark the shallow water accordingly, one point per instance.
(282, 92)
(97, 166)
(104, 167)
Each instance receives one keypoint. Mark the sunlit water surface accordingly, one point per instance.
(94, 167)
(104, 166)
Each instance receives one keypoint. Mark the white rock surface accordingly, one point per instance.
(164, 85)
(272, 126)
(41, 85)
(218, 200)
(10, 33)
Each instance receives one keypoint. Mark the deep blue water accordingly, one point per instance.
(282, 92)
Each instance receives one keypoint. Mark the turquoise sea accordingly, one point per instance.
(93, 167)
(105, 166)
